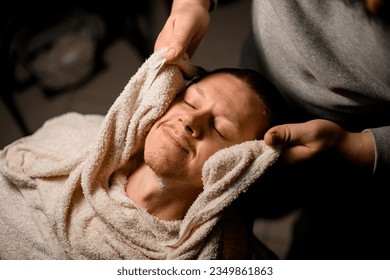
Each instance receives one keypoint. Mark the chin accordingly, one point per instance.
(161, 164)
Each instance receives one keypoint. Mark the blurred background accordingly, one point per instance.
(78, 56)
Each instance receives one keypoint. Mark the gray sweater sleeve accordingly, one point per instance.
(382, 150)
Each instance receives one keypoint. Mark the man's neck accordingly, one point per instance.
(160, 198)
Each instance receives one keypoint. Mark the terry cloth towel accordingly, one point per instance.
(63, 188)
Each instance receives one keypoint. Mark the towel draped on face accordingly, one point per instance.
(63, 188)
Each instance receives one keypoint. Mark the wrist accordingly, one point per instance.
(207, 5)
(359, 148)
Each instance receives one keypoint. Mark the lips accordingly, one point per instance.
(176, 139)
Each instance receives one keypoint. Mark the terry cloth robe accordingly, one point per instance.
(63, 188)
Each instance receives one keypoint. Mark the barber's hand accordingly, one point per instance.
(184, 29)
(303, 141)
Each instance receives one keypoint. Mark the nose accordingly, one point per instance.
(193, 124)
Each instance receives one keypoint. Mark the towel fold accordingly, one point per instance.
(63, 188)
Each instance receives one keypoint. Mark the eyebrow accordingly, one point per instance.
(199, 90)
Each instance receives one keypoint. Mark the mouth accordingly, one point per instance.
(180, 142)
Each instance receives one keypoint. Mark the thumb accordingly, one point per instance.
(173, 53)
(277, 135)
(176, 44)
(177, 49)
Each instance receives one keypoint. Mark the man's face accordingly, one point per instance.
(217, 112)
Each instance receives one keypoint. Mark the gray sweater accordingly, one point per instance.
(330, 61)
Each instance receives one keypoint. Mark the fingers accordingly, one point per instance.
(175, 37)
(177, 40)
(295, 154)
(184, 29)
(302, 141)
(292, 150)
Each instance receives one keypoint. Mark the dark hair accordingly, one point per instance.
(267, 92)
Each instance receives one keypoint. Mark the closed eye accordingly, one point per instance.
(217, 131)
(189, 104)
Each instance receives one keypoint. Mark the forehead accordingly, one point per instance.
(226, 86)
(233, 97)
